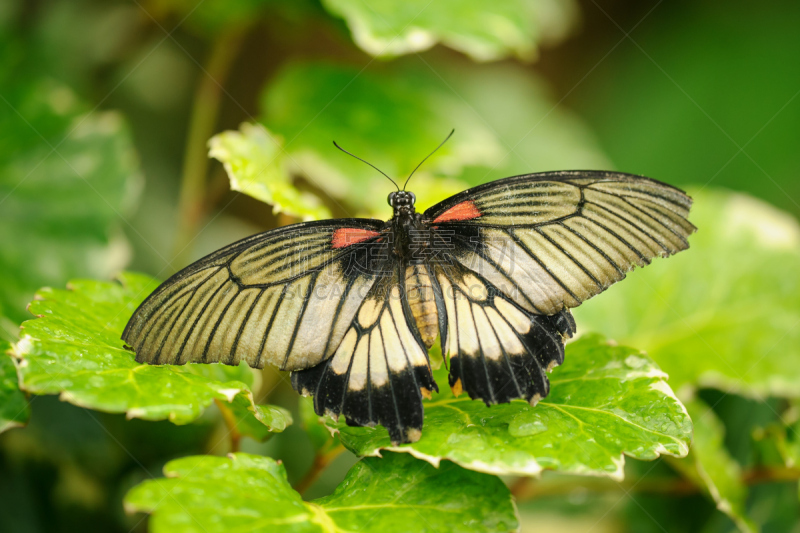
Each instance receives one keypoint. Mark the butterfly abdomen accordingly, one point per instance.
(421, 302)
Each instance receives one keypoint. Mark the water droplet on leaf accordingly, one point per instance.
(634, 361)
(526, 427)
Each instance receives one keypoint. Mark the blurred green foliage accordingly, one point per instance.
(95, 95)
(67, 176)
(256, 167)
(482, 30)
(14, 409)
(711, 466)
(700, 93)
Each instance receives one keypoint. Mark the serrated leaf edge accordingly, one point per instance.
(227, 391)
(534, 469)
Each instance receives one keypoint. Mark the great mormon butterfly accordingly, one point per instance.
(351, 306)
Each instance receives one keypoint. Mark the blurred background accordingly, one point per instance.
(108, 110)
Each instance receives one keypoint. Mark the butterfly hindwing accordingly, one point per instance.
(498, 350)
(380, 371)
(284, 297)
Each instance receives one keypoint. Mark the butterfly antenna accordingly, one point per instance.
(430, 154)
(367, 162)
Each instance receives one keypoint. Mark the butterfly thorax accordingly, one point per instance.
(406, 224)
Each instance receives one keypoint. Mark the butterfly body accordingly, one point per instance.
(351, 306)
(421, 301)
(414, 247)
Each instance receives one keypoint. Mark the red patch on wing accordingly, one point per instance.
(346, 236)
(463, 211)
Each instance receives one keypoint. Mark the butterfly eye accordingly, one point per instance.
(413, 197)
(391, 198)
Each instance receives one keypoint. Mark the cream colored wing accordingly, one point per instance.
(380, 371)
(555, 239)
(498, 350)
(284, 297)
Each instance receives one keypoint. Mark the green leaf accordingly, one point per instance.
(711, 467)
(248, 492)
(482, 30)
(14, 409)
(359, 106)
(67, 180)
(605, 401)
(391, 493)
(536, 133)
(723, 314)
(255, 163)
(779, 444)
(322, 439)
(74, 349)
(256, 421)
(505, 120)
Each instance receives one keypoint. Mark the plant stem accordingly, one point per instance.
(205, 109)
(768, 475)
(230, 423)
(321, 460)
(524, 488)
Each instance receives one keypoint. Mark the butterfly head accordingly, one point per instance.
(402, 202)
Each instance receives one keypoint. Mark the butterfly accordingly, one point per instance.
(351, 306)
